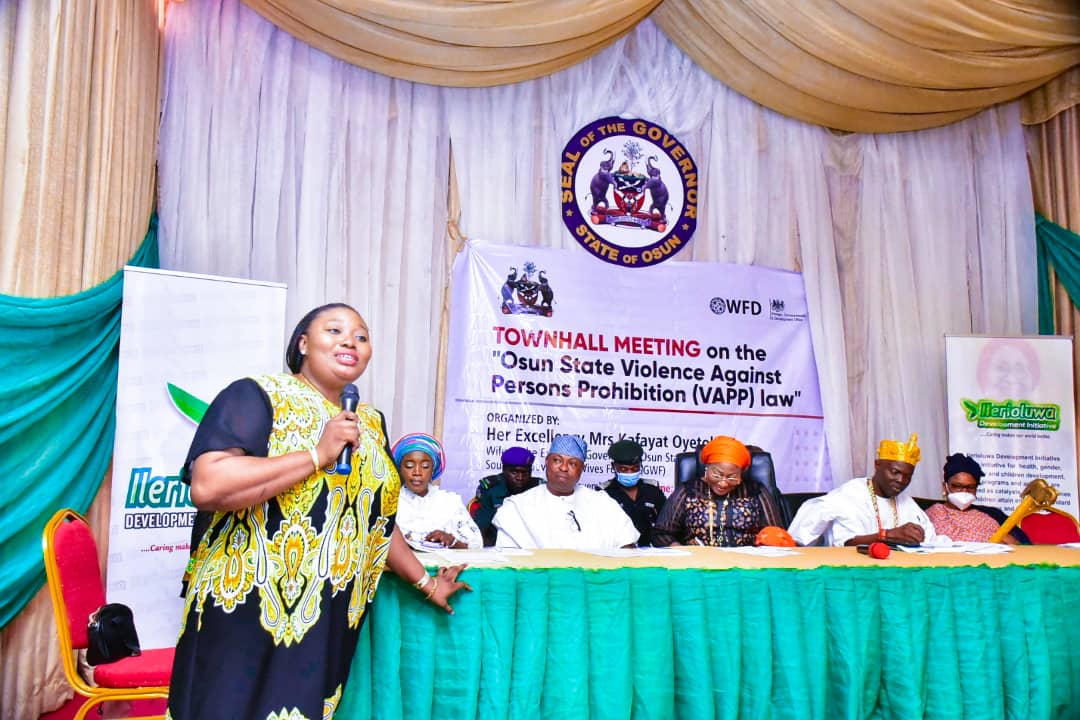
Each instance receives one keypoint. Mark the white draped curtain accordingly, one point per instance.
(280, 163)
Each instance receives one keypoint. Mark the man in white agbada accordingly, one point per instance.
(866, 510)
(561, 515)
(428, 516)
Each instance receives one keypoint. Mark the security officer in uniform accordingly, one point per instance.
(639, 499)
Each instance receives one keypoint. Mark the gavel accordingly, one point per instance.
(1038, 495)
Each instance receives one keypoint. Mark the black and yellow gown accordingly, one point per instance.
(278, 592)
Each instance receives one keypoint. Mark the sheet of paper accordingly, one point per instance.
(969, 548)
(474, 557)
(762, 550)
(637, 552)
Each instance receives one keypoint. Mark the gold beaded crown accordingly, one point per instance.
(907, 452)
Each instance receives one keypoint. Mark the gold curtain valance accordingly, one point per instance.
(872, 66)
(460, 43)
(858, 65)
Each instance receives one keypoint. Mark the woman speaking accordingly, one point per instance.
(282, 573)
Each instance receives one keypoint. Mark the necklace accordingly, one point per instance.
(877, 513)
(713, 519)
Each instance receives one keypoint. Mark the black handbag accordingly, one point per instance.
(111, 634)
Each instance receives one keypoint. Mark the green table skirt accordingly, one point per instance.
(948, 643)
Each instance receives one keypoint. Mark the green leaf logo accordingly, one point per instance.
(971, 410)
(189, 406)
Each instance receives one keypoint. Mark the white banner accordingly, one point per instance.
(1011, 408)
(546, 341)
(197, 333)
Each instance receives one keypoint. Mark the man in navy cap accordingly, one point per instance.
(639, 499)
(516, 477)
(560, 514)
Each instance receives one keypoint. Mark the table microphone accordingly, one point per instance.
(877, 550)
(350, 398)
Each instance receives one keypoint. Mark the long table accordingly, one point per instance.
(823, 635)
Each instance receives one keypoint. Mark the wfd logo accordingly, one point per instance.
(735, 306)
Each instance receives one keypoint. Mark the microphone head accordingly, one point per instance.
(879, 550)
(350, 397)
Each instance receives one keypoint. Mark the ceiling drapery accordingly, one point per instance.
(868, 66)
(857, 65)
(459, 43)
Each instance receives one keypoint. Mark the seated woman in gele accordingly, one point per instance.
(428, 516)
(957, 517)
(720, 508)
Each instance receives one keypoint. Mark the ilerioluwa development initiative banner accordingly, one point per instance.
(1011, 408)
(546, 341)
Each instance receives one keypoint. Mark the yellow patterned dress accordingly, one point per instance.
(278, 591)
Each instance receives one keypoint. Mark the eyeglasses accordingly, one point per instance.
(713, 472)
(973, 489)
(573, 518)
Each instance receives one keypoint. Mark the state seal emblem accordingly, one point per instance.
(521, 294)
(629, 191)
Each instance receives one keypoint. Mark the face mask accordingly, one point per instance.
(961, 499)
(628, 479)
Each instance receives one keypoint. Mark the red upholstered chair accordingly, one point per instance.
(1051, 527)
(71, 564)
(1036, 515)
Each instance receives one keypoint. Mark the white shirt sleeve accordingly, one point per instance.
(914, 513)
(462, 526)
(811, 521)
(623, 531)
(512, 531)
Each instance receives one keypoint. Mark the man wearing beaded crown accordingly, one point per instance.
(866, 510)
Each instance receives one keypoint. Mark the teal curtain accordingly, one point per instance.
(832, 643)
(1059, 248)
(57, 416)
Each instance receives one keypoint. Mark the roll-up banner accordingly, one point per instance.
(546, 341)
(1011, 408)
(182, 339)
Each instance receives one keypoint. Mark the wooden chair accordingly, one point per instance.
(77, 590)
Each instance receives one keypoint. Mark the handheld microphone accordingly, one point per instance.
(877, 550)
(350, 398)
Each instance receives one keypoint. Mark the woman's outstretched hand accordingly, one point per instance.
(448, 584)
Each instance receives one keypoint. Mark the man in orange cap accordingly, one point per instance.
(866, 510)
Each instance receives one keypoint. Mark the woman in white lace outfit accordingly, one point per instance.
(430, 517)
